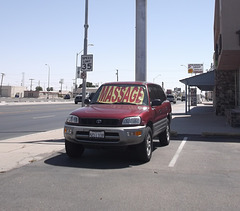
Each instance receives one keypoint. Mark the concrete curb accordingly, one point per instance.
(233, 135)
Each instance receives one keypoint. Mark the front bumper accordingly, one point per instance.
(113, 136)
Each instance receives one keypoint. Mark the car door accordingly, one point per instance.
(159, 111)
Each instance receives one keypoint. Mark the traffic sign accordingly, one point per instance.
(87, 62)
(83, 75)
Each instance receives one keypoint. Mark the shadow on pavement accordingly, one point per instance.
(99, 159)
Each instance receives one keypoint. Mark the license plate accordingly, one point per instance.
(96, 134)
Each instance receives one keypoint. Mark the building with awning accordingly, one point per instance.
(204, 81)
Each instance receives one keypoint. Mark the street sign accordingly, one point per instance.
(87, 62)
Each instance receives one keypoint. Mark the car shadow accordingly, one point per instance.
(99, 158)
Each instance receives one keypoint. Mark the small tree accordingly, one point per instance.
(39, 88)
(50, 89)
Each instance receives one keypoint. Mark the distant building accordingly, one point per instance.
(41, 94)
(12, 91)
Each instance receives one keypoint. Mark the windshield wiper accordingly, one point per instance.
(97, 103)
(125, 103)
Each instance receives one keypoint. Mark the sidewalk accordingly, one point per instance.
(201, 120)
(19, 151)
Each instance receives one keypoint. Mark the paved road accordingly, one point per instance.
(192, 173)
(18, 120)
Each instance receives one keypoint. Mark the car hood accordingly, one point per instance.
(109, 111)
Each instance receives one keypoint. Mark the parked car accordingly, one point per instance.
(78, 98)
(183, 98)
(91, 95)
(171, 98)
(67, 96)
(120, 114)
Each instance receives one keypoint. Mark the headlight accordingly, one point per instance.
(132, 120)
(72, 119)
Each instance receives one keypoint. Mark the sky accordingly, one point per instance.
(38, 32)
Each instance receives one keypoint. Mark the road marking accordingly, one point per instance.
(42, 117)
(175, 157)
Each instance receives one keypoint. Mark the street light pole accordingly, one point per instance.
(141, 41)
(156, 77)
(48, 80)
(85, 50)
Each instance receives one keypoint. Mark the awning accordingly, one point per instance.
(204, 81)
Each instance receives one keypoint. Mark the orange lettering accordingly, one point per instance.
(133, 95)
(126, 96)
(115, 94)
(140, 95)
(109, 95)
(103, 94)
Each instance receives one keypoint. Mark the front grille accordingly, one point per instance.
(97, 122)
(108, 137)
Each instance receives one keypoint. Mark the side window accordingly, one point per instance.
(156, 92)
(162, 95)
(151, 92)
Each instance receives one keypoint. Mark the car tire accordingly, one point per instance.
(164, 137)
(76, 102)
(145, 148)
(73, 150)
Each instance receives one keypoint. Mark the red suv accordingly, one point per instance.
(120, 114)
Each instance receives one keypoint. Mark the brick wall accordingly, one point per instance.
(224, 91)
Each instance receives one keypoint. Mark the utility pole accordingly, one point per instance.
(117, 74)
(31, 83)
(48, 89)
(1, 84)
(85, 51)
(61, 82)
(22, 84)
(141, 41)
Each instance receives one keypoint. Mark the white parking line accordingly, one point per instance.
(42, 117)
(175, 157)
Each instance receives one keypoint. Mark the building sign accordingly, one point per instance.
(195, 68)
(87, 62)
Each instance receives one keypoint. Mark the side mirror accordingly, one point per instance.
(156, 102)
(87, 101)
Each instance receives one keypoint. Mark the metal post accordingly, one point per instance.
(75, 85)
(117, 74)
(141, 41)
(186, 99)
(189, 98)
(48, 80)
(31, 79)
(85, 50)
(1, 84)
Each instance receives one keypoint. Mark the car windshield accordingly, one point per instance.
(121, 94)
